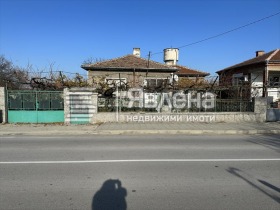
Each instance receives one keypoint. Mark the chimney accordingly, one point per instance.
(136, 52)
(259, 53)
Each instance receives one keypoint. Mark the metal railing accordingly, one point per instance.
(35, 100)
(220, 105)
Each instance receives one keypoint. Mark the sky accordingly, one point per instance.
(64, 33)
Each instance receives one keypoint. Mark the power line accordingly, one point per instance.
(49, 72)
(226, 32)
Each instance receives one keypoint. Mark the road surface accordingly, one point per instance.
(140, 172)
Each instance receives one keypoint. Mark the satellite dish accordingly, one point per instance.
(176, 78)
(173, 78)
(145, 83)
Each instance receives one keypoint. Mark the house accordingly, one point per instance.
(190, 78)
(134, 71)
(260, 75)
(187, 72)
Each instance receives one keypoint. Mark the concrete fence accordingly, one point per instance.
(181, 117)
(259, 115)
(260, 108)
(81, 106)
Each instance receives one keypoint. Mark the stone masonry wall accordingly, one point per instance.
(261, 106)
(206, 117)
(139, 76)
(259, 115)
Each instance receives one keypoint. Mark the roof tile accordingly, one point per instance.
(183, 70)
(271, 56)
(128, 62)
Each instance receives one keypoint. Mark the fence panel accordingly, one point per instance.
(156, 102)
(35, 106)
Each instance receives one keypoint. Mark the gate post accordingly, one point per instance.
(94, 102)
(66, 106)
(260, 107)
(80, 105)
(3, 105)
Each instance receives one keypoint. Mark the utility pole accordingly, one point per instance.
(149, 57)
(117, 103)
(60, 74)
(134, 77)
(118, 95)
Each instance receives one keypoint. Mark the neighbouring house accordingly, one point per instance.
(188, 78)
(135, 71)
(260, 75)
(187, 72)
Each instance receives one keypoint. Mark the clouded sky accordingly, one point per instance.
(67, 32)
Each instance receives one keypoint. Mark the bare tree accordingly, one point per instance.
(92, 60)
(12, 76)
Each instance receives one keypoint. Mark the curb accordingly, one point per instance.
(189, 132)
(142, 132)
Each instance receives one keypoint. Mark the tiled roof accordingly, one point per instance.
(127, 62)
(273, 56)
(185, 71)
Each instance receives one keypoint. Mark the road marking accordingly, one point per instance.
(140, 160)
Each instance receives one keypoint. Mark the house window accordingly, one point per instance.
(239, 79)
(155, 82)
(274, 81)
(115, 81)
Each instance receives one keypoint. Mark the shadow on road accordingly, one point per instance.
(270, 185)
(269, 141)
(110, 196)
(255, 183)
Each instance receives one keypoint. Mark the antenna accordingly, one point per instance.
(149, 56)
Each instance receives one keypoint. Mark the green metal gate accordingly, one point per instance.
(35, 106)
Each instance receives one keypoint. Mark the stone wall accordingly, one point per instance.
(206, 117)
(260, 108)
(3, 108)
(133, 79)
(259, 115)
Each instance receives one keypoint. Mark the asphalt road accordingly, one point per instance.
(140, 172)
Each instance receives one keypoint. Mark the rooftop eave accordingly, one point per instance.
(274, 62)
(242, 66)
(193, 75)
(124, 69)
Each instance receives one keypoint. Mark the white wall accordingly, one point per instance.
(257, 84)
(274, 92)
(3, 107)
